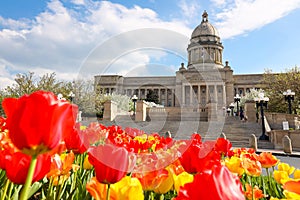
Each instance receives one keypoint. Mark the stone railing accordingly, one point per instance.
(276, 120)
(277, 136)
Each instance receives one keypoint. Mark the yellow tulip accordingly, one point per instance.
(286, 167)
(297, 174)
(234, 165)
(281, 176)
(126, 189)
(166, 185)
(273, 198)
(182, 179)
(291, 195)
(86, 163)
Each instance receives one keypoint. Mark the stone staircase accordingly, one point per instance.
(237, 131)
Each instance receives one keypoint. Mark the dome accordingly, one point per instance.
(205, 29)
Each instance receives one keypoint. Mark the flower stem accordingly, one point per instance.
(5, 189)
(25, 189)
(108, 192)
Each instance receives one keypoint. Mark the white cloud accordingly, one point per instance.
(78, 2)
(245, 16)
(69, 41)
(219, 3)
(190, 10)
(60, 38)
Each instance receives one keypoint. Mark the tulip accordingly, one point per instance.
(297, 174)
(267, 160)
(281, 176)
(251, 167)
(292, 189)
(286, 167)
(17, 165)
(223, 146)
(86, 163)
(166, 185)
(111, 163)
(234, 164)
(126, 189)
(37, 122)
(75, 140)
(61, 167)
(151, 180)
(181, 180)
(217, 183)
(253, 193)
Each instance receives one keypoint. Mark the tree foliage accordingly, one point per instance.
(277, 83)
(29, 82)
(89, 101)
(152, 97)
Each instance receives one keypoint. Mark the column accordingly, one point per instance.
(215, 93)
(139, 93)
(224, 96)
(207, 93)
(173, 100)
(159, 100)
(191, 95)
(199, 96)
(183, 94)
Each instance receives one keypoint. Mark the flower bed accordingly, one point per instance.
(45, 154)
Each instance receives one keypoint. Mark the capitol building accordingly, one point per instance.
(205, 79)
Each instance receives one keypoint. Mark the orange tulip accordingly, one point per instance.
(292, 189)
(151, 180)
(256, 194)
(96, 189)
(252, 167)
(61, 167)
(267, 160)
(126, 189)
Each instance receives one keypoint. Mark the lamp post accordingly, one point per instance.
(289, 97)
(261, 102)
(231, 106)
(71, 96)
(237, 99)
(228, 111)
(134, 99)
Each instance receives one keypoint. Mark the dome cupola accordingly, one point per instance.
(205, 31)
(205, 44)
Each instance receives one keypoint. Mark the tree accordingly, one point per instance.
(152, 97)
(277, 83)
(89, 101)
(28, 83)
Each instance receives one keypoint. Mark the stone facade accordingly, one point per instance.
(204, 80)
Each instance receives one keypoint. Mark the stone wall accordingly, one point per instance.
(275, 120)
(276, 137)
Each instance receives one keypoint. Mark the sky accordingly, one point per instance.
(83, 38)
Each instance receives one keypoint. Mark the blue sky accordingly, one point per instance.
(141, 37)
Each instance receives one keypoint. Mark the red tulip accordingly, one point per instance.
(111, 162)
(17, 165)
(223, 146)
(37, 122)
(75, 140)
(2, 123)
(217, 183)
(198, 157)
